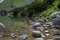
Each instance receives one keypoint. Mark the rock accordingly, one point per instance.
(43, 35)
(37, 23)
(39, 39)
(1, 35)
(40, 28)
(23, 37)
(50, 39)
(56, 32)
(57, 38)
(56, 14)
(2, 25)
(46, 31)
(13, 35)
(1, 1)
(26, 3)
(47, 34)
(36, 34)
(49, 23)
(56, 21)
(12, 5)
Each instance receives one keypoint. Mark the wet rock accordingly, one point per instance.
(37, 23)
(49, 23)
(26, 3)
(57, 33)
(3, 12)
(50, 39)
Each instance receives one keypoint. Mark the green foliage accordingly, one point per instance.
(7, 4)
(51, 9)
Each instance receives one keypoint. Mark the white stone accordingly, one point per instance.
(42, 35)
(36, 24)
(13, 35)
(36, 32)
(46, 31)
(1, 1)
(39, 39)
(40, 28)
(47, 34)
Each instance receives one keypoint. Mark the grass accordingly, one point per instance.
(7, 3)
(51, 9)
(13, 23)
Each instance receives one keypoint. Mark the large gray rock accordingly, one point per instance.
(36, 34)
(56, 14)
(56, 21)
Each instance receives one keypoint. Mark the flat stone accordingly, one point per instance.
(39, 39)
